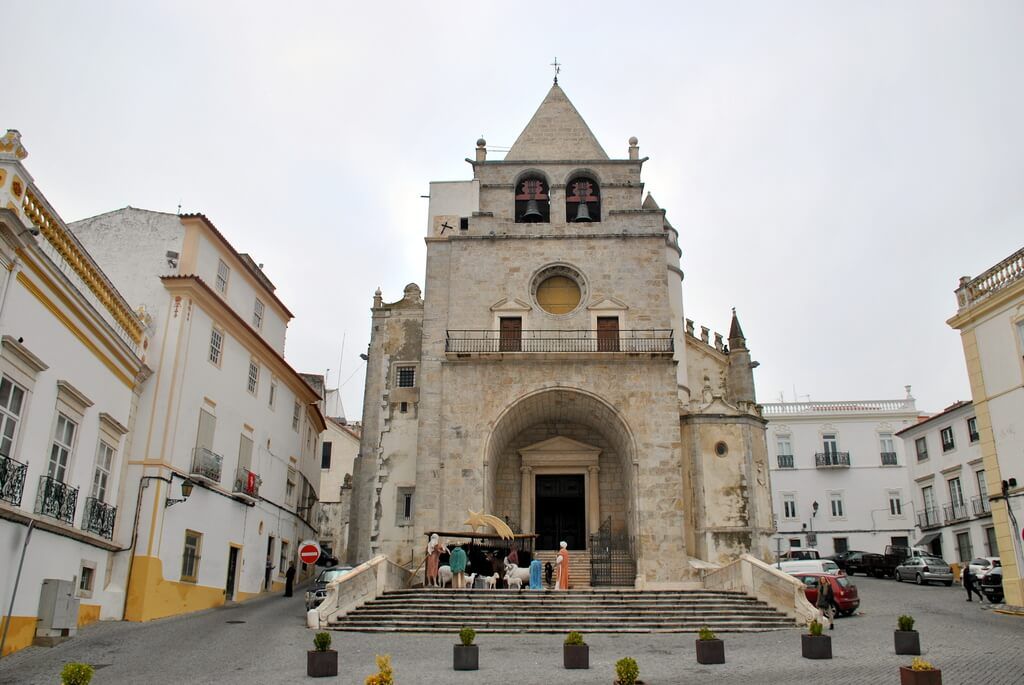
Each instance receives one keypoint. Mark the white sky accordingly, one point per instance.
(832, 167)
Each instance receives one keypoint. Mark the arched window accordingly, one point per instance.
(582, 200)
(532, 203)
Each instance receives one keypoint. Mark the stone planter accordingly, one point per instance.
(909, 676)
(710, 652)
(466, 658)
(906, 641)
(576, 656)
(321, 664)
(816, 646)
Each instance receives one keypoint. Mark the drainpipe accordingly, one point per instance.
(17, 579)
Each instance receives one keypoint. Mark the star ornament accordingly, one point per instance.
(480, 520)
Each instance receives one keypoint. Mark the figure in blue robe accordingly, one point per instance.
(535, 575)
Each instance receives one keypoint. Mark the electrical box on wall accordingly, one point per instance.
(58, 611)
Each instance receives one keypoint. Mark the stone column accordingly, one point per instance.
(593, 499)
(526, 500)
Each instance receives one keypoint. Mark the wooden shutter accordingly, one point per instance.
(207, 425)
(245, 453)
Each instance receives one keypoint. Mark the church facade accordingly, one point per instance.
(546, 373)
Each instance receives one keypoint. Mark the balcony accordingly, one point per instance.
(785, 461)
(247, 485)
(12, 480)
(981, 506)
(56, 499)
(888, 458)
(929, 518)
(206, 465)
(832, 460)
(955, 511)
(98, 517)
(647, 341)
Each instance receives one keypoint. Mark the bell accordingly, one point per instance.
(582, 212)
(532, 213)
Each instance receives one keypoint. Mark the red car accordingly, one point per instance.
(844, 592)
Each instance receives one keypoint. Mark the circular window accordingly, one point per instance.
(721, 449)
(558, 290)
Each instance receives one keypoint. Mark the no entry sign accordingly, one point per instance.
(309, 552)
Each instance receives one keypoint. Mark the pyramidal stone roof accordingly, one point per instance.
(556, 131)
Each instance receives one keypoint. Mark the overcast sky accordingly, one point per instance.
(832, 167)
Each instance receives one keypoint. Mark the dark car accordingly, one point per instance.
(992, 585)
(318, 590)
(843, 558)
(844, 591)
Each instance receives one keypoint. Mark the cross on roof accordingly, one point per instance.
(558, 68)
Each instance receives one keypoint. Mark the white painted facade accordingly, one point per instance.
(845, 457)
(338, 453)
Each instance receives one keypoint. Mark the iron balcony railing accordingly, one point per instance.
(246, 483)
(12, 480)
(206, 464)
(888, 458)
(98, 517)
(646, 341)
(56, 499)
(785, 461)
(832, 460)
(929, 518)
(981, 506)
(955, 511)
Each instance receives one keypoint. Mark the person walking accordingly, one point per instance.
(289, 579)
(825, 601)
(970, 583)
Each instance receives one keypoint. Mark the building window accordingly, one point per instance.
(784, 451)
(104, 460)
(191, 555)
(972, 429)
(887, 448)
(794, 542)
(254, 376)
(257, 315)
(223, 273)
(582, 200)
(895, 503)
(403, 407)
(273, 392)
(406, 376)
(947, 438)
(216, 345)
(86, 579)
(840, 545)
(325, 455)
(60, 451)
(830, 443)
(921, 445)
(285, 558)
(532, 203)
(558, 294)
(963, 546)
(982, 489)
(289, 488)
(789, 506)
(956, 492)
(835, 500)
(12, 398)
(403, 509)
(296, 415)
(991, 547)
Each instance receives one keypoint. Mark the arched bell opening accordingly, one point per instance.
(533, 202)
(582, 200)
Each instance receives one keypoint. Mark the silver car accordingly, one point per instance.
(923, 570)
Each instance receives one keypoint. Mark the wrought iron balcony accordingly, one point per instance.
(929, 518)
(98, 517)
(247, 484)
(647, 341)
(981, 506)
(888, 458)
(832, 460)
(206, 464)
(12, 480)
(785, 461)
(56, 499)
(954, 511)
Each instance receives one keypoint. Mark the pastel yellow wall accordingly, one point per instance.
(150, 596)
(88, 614)
(20, 634)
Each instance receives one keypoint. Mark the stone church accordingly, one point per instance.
(546, 373)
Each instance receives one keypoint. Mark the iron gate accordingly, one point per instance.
(612, 561)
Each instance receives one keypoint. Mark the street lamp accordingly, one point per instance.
(186, 490)
(810, 536)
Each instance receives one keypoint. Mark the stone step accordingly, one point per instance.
(579, 567)
(722, 605)
(563, 627)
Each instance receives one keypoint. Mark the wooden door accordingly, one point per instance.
(607, 334)
(511, 334)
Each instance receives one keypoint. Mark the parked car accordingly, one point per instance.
(809, 566)
(843, 590)
(924, 570)
(318, 590)
(992, 585)
(842, 558)
(982, 566)
(799, 553)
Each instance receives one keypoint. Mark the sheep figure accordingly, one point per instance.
(470, 579)
(491, 582)
(515, 576)
(444, 576)
(514, 582)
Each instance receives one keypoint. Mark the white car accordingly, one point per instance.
(982, 566)
(809, 566)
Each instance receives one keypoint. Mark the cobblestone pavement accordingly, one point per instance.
(969, 642)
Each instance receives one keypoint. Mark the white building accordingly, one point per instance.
(70, 369)
(225, 412)
(953, 513)
(839, 475)
(338, 453)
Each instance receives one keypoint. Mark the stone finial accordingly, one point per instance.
(412, 293)
(689, 326)
(718, 342)
(705, 332)
(10, 145)
(736, 338)
(634, 149)
(378, 299)
(909, 395)
(481, 150)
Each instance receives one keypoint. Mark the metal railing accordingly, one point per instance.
(785, 461)
(98, 517)
(981, 506)
(929, 518)
(56, 499)
(637, 341)
(246, 483)
(612, 558)
(206, 464)
(12, 480)
(997, 278)
(832, 460)
(888, 458)
(954, 511)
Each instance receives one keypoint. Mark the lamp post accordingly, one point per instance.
(810, 535)
(186, 491)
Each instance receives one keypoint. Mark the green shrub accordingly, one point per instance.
(466, 636)
(706, 634)
(322, 642)
(815, 628)
(385, 675)
(574, 639)
(627, 671)
(76, 674)
(905, 622)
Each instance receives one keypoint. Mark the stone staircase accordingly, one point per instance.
(579, 567)
(554, 611)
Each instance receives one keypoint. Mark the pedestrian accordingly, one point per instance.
(289, 579)
(970, 585)
(825, 601)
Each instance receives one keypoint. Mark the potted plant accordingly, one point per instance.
(384, 675)
(322, 661)
(906, 639)
(627, 671)
(920, 672)
(814, 645)
(466, 655)
(76, 674)
(710, 650)
(575, 652)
